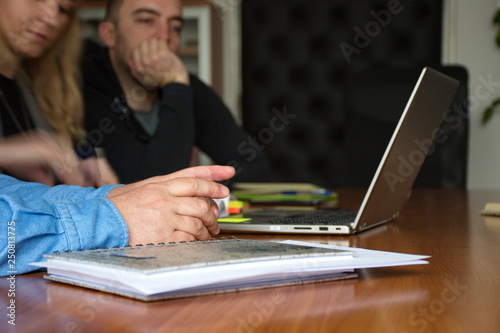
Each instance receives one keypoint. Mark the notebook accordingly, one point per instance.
(392, 182)
(174, 270)
(185, 269)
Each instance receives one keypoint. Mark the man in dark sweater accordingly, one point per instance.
(146, 110)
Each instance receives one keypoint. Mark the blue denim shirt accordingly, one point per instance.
(37, 219)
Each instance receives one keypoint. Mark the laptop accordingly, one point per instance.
(392, 182)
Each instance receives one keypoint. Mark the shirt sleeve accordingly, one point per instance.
(38, 219)
(31, 191)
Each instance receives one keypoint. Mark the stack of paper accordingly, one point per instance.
(492, 209)
(208, 267)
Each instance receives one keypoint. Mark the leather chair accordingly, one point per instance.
(373, 103)
(299, 57)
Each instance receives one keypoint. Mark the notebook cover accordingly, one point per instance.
(151, 258)
(193, 292)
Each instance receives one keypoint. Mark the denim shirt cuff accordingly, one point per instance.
(105, 227)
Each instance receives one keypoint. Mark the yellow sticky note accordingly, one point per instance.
(233, 219)
(236, 204)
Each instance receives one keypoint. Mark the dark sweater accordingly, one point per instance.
(189, 116)
(11, 102)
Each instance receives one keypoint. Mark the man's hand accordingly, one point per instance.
(154, 65)
(176, 207)
(215, 173)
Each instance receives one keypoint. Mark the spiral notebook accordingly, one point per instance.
(175, 270)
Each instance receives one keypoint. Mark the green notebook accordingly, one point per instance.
(303, 193)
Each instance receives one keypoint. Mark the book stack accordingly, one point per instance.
(165, 271)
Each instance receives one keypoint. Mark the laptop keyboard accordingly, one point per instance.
(321, 217)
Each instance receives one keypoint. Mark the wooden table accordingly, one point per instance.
(459, 291)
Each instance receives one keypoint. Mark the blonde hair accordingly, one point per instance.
(55, 81)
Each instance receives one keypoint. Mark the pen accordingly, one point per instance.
(312, 192)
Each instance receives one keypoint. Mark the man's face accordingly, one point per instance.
(140, 20)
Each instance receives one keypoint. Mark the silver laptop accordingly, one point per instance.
(392, 182)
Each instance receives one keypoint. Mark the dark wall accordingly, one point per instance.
(297, 57)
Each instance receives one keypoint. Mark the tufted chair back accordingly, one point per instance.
(298, 58)
(373, 103)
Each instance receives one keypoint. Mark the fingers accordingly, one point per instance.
(195, 214)
(196, 187)
(66, 164)
(197, 210)
(97, 172)
(212, 172)
(181, 236)
(214, 207)
(142, 59)
(35, 174)
(108, 175)
(154, 65)
(40, 150)
(58, 153)
(153, 212)
(196, 228)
